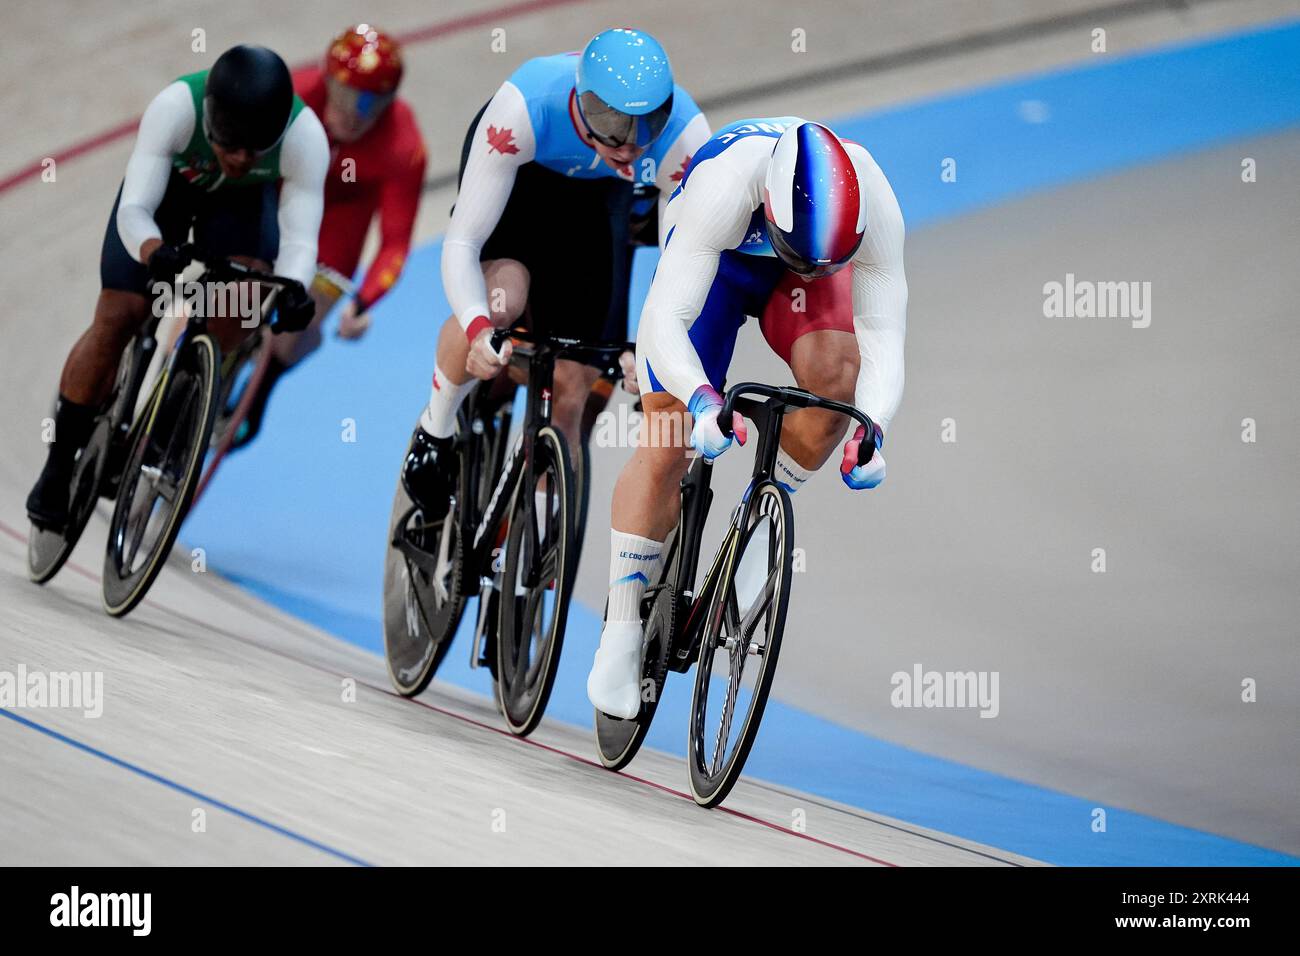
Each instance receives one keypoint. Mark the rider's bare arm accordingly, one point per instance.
(879, 296)
(502, 142)
(165, 128)
(304, 161)
(709, 218)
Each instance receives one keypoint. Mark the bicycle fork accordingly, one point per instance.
(493, 580)
(487, 584)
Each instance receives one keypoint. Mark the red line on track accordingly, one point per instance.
(467, 719)
(433, 31)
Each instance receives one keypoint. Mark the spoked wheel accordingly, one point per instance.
(617, 741)
(47, 550)
(740, 645)
(537, 580)
(159, 478)
(423, 596)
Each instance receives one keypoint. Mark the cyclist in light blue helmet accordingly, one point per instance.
(568, 165)
(625, 88)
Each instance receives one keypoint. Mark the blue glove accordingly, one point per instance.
(872, 473)
(706, 435)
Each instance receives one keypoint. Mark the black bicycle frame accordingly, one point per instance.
(536, 357)
(537, 415)
(696, 496)
(221, 270)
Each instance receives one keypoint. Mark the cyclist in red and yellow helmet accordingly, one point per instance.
(377, 160)
(363, 67)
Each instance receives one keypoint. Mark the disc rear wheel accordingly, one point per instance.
(423, 594)
(48, 550)
(617, 740)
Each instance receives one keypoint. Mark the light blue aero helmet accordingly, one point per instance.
(625, 88)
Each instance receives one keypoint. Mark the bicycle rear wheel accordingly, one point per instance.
(160, 475)
(740, 646)
(537, 581)
(617, 741)
(423, 599)
(48, 550)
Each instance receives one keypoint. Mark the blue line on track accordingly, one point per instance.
(181, 788)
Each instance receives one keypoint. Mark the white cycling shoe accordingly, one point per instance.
(614, 684)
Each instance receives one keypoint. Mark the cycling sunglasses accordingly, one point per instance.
(614, 128)
(229, 140)
(359, 103)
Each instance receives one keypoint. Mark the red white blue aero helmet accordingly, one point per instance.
(815, 207)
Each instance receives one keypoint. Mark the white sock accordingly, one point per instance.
(439, 418)
(789, 473)
(633, 564)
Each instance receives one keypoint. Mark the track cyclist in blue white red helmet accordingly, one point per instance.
(782, 220)
(553, 172)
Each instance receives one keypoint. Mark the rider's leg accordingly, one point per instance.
(91, 368)
(573, 382)
(645, 495)
(287, 350)
(646, 502)
(507, 287)
(644, 512)
(290, 348)
(231, 329)
(809, 324)
(824, 362)
(86, 383)
(428, 473)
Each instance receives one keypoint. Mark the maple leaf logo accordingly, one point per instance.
(677, 176)
(502, 140)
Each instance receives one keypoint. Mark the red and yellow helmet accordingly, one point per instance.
(365, 59)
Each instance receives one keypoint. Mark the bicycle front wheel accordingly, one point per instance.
(537, 580)
(161, 473)
(740, 645)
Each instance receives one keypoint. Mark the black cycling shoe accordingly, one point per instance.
(47, 505)
(429, 473)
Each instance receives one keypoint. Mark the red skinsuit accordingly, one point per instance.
(389, 177)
